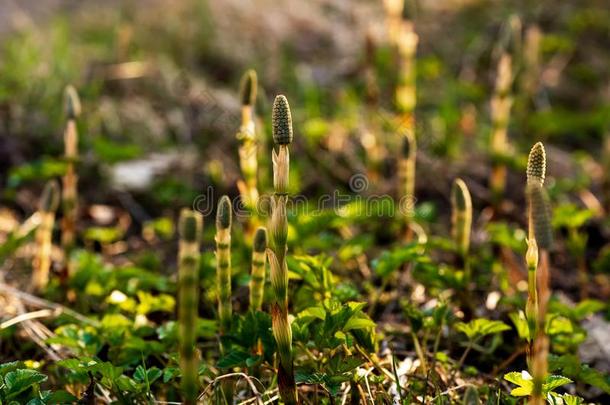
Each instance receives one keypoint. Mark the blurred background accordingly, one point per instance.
(159, 87)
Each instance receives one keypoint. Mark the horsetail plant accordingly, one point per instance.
(223, 262)
(501, 103)
(259, 258)
(461, 222)
(46, 211)
(540, 235)
(406, 89)
(278, 227)
(70, 179)
(247, 141)
(531, 306)
(406, 166)
(393, 15)
(190, 228)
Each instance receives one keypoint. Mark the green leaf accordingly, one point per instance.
(310, 378)
(587, 307)
(554, 381)
(558, 325)
(126, 384)
(233, 359)
(390, 261)
(481, 327)
(61, 397)
(169, 373)
(11, 366)
(147, 375)
(314, 312)
(523, 380)
(571, 399)
(20, 380)
(521, 324)
(358, 323)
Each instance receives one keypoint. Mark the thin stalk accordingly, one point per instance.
(461, 223)
(407, 167)
(531, 308)
(501, 104)
(406, 100)
(44, 234)
(70, 179)
(190, 225)
(257, 280)
(541, 342)
(393, 11)
(223, 263)
(248, 147)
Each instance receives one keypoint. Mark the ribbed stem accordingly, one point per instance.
(406, 167)
(500, 114)
(248, 161)
(42, 261)
(223, 278)
(257, 280)
(461, 222)
(531, 308)
(69, 194)
(406, 89)
(188, 296)
(49, 202)
(393, 10)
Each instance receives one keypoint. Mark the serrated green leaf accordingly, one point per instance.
(20, 380)
(481, 327)
(554, 381)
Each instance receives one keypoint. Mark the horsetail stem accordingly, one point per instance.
(257, 282)
(531, 307)
(406, 165)
(278, 228)
(539, 231)
(531, 59)
(247, 140)
(223, 262)
(44, 234)
(70, 179)
(405, 90)
(190, 227)
(393, 11)
(501, 103)
(405, 100)
(461, 218)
